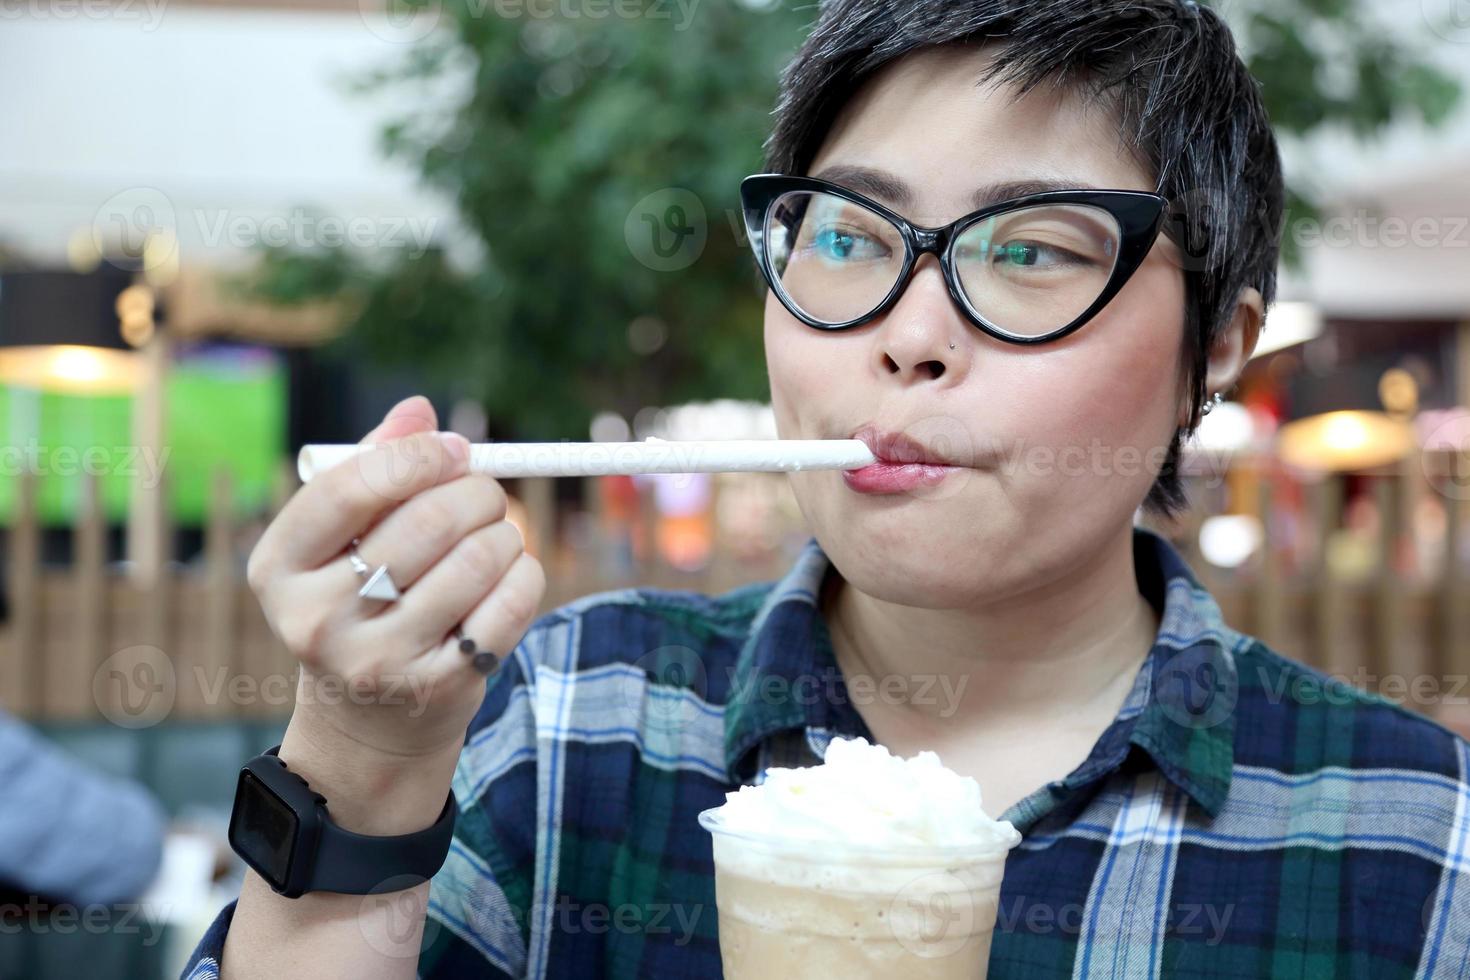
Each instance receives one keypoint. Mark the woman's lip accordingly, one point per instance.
(884, 477)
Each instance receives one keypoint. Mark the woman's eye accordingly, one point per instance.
(1031, 253)
(845, 243)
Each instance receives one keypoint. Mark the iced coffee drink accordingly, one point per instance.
(865, 866)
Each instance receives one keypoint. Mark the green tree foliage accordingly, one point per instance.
(572, 122)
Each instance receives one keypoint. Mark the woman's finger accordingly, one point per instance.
(444, 595)
(497, 624)
(410, 539)
(323, 517)
(414, 414)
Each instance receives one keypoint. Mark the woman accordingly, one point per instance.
(1193, 804)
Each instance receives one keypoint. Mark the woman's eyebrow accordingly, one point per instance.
(894, 192)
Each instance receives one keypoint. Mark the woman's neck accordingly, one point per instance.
(1058, 651)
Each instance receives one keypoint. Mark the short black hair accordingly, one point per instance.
(1188, 110)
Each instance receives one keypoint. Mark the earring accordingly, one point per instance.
(1209, 406)
(951, 346)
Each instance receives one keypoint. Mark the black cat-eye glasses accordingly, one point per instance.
(1025, 270)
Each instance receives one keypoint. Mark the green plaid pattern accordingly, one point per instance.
(1243, 816)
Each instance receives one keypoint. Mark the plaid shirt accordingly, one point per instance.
(1243, 816)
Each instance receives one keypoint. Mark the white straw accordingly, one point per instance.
(518, 459)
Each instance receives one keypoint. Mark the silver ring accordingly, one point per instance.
(377, 583)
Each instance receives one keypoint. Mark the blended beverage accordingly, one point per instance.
(867, 865)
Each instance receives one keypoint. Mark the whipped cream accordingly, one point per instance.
(864, 796)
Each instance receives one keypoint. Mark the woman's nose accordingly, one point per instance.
(922, 336)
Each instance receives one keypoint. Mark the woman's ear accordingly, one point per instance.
(1234, 346)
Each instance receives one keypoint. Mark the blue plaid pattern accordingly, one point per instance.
(1243, 816)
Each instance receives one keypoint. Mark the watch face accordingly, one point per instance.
(263, 830)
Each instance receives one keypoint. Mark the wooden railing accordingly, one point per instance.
(86, 641)
(1401, 629)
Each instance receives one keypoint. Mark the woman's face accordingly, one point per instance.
(1065, 437)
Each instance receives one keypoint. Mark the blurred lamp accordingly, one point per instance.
(1228, 428)
(609, 427)
(1227, 540)
(69, 332)
(1344, 441)
(1399, 392)
(1287, 324)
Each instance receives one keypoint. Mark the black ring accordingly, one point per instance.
(483, 660)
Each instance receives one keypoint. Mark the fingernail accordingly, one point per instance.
(397, 405)
(456, 445)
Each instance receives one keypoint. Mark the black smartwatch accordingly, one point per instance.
(283, 830)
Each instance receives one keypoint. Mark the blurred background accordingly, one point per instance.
(231, 228)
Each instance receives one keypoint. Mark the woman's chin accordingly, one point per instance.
(914, 564)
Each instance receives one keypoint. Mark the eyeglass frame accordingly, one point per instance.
(1139, 215)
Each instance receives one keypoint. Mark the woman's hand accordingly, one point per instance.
(386, 683)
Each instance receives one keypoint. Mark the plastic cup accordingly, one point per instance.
(826, 909)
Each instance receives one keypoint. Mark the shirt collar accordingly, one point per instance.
(1180, 710)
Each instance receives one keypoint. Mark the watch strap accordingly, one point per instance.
(358, 864)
